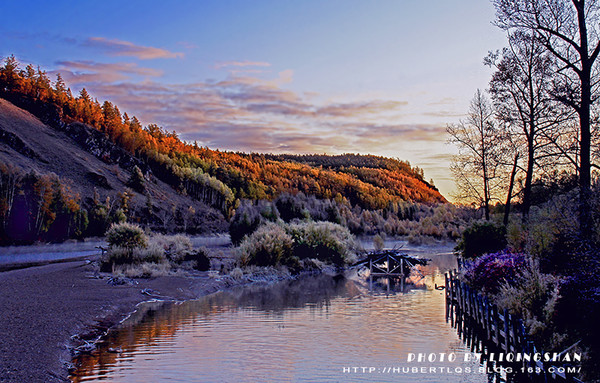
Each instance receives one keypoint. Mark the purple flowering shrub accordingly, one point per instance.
(487, 273)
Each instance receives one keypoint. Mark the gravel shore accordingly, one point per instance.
(43, 308)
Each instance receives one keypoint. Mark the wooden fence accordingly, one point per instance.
(487, 329)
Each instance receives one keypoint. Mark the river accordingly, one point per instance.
(314, 329)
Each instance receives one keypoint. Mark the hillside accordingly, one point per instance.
(149, 174)
(40, 165)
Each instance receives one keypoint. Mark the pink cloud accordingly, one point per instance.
(87, 72)
(116, 47)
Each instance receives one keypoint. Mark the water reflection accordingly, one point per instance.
(312, 329)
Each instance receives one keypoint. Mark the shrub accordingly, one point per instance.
(126, 235)
(489, 272)
(533, 296)
(174, 247)
(137, 181)
(115, 256)
(291, 207)
(245, 221)
(326, 241)
(237, 274)
(199, 258)
(481, 238)
(268, 245)
(578, 315)
(152, 253)
(378, 242)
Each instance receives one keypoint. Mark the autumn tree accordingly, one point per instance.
(477, 167)
(9, 74)
(570, 31)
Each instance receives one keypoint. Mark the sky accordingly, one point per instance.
(378, 77)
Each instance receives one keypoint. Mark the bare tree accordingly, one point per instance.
(570, 31)
(521, 89)
(477, 167)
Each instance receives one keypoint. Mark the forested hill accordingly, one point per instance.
(216, 178)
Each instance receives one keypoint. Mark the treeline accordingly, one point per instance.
(221, 178)
(36, 207)
(340, 162)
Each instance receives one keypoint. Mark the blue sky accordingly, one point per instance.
(380, 77)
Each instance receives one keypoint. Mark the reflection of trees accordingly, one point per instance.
(155, 322)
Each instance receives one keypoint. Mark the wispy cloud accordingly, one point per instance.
(241, 64)
(114, 47)
(361, 108)
(444, 113)
(444, 101)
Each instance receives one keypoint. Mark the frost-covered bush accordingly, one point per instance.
(531, 295)
(174, 247)
(124, 240)
(143, 270)
(236, 274)
(269, 245)
(175, 250)
(489, 272)
(116, 255)
(152, 253)
(126, 235)
(326, 241)
(279, 243)
(378, 242)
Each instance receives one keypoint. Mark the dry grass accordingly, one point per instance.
(143, 270)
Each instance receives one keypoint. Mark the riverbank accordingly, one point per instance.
(43, 307)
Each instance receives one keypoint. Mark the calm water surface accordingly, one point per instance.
(309, 330)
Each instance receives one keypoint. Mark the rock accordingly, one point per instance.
(115, 350)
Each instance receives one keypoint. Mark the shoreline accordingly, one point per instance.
(52, 312)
